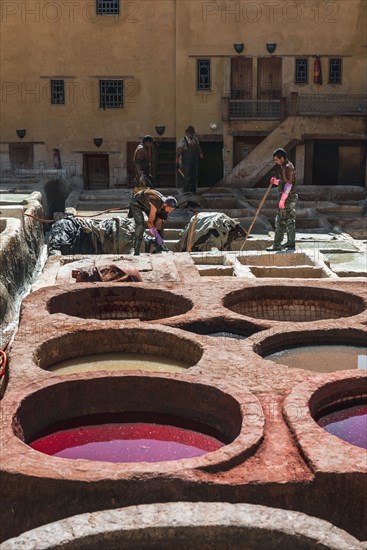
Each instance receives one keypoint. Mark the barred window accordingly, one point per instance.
(57, 92)
(203, 79)
(111, 94)
(301, 76)
(108, 7)
(335, 71)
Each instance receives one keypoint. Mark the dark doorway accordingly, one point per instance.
(21, 155)
(163, 156)
(96, 171)
(325, 164)
(164, 162)
(211, 167)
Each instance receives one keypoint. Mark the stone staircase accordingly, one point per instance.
(287, 134)
(319, 207)
(100, 200)
(24, 183)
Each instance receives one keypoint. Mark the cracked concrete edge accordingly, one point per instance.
(243, 525)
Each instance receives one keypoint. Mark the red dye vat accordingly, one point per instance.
(349, 424)
(126, 442)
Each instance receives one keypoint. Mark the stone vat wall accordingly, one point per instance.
(267, 408)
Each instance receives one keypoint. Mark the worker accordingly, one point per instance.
(285, 220)
(187, 165)
(142, 161)
(157, 207)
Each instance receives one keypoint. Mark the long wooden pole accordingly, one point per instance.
(256, 214)
(189, 243)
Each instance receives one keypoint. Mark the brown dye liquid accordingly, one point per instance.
(119, 362)
(323, 358)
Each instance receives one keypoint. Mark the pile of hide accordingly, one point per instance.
(211, 230)
(86, 236)
(106, 273)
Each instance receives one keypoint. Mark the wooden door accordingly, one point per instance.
(241, 78)
(21, 155)
(96, 171)
(269, 78)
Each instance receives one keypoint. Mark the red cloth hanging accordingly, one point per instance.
(317, 73)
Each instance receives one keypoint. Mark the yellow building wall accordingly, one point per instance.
(153, 45)
(42, 40)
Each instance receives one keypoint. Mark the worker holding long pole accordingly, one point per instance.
(285, 220)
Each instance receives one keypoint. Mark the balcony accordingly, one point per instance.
(279, 109)
(332, 104)
(247, 108)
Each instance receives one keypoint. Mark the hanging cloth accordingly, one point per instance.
(317, 73)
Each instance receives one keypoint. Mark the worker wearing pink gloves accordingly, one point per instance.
(285, 220)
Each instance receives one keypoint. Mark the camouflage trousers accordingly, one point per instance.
(285, 222)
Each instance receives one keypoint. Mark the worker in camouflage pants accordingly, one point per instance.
(285, 220)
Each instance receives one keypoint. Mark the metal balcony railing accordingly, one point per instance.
(245, 108)
(295, 104)
(332, 104)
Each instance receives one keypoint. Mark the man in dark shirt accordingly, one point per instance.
(142, 162)
(285, 220)
(157, 207)
(188, 153)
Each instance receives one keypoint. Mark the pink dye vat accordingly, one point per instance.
(349, 424)
(127, 442)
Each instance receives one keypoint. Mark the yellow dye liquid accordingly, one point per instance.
(119, 361)
(323, 358)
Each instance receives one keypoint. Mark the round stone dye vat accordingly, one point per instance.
(316, 350)
(346, 421)
(129, 437)
(183, 420)
(180, 525)
(298, 304)
(147, 349)
(118, 362)
(340, 408)
(322, 358)
(118, 302)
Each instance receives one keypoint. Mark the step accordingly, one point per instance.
(222, 202)
(331, 193)
(172, 233)
(104, 198)
(99, 206)
(307, 223)
(101, 196)
(342, 210)
(231, 212)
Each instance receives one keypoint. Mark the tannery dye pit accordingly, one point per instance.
(138, 437)
(118, 362)
(122, 396)
(322, 358)
(349, 423)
